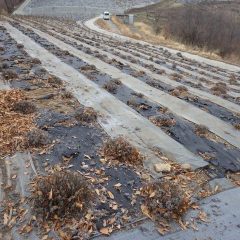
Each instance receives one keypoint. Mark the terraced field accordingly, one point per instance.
(178, 112)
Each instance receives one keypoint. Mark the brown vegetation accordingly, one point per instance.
(219, 89)
(63, 194)
(103, 24)
(213, 30)
(161, 121)
(38, 138)
(237, 126)
(201, 130)
(164, 200)
(24, 107)
(110, 86)
(13, 125)
(9, 74)
(86, 115)
(121, 150)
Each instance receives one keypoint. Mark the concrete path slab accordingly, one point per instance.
(177, 106)
(117, 118)
(223, 222)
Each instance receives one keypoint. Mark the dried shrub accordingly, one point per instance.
(67, 95)
(86, 115)
(20, 46)
(9, 74)
(164, 200)
(162, 121)
(64, 194)
(3, 65)
(161, 71)
(237, 126)
(176, 76)
(219, 89)
(110, 87)
(2, 49)
(88, 68)
(182, 89)
(121, 150)
(38, 138)
(24, 107)
(55, 81)
(201, 130)
(175, 93)
(138, 74)
(36, 61)
(117, 81)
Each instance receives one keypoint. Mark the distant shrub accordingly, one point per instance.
(214, 30)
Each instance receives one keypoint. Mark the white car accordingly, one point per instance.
(106, 16)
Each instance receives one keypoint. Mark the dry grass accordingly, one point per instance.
(124, 29)
(62, 194)
(54, 81)
(9, 74)
(121, 150)
(237, 126)
(13, 125)
(164, 200)
(161, 121)
(219, 89)
(86, 115)
(103, 24)
(182, 89)
(88, 68)
(176, 76)
(146, 33)
(24, 107)
(110, 86)
(201, 130)
(67, 95)
(38, 138)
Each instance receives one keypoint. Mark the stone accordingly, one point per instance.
(186, 166)
(162, 167)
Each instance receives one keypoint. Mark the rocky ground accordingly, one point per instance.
(66, 90)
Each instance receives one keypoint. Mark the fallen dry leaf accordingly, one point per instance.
(110, 195)
(105, 231)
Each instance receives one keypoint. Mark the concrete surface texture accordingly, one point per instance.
(222, 222)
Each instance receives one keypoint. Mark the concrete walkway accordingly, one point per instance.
(223, 214)
(177, 106)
